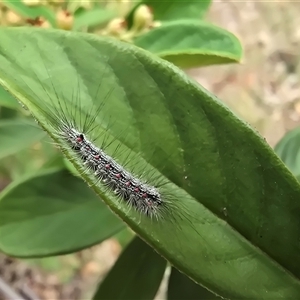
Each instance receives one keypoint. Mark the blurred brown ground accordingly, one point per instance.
(263, 90)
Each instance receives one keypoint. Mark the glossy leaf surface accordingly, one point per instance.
(232, 219)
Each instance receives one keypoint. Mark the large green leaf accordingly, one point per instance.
(182, 288)
(232, 217)
(190, 43)
(288, 149)
(52, 212)
(17, 134)
(31, 11)
(137, 274)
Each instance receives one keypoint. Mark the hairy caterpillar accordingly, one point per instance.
(78, 135)
(127, 186)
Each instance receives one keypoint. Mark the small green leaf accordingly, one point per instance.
(136, 275)
(288, 149)
(8, 113)
(94, 17)
(7, 100)
(180, 287)
(51, 213)
(18, 134)
(178, 9)
(190, 43)
(173, 10)
(32, 11)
